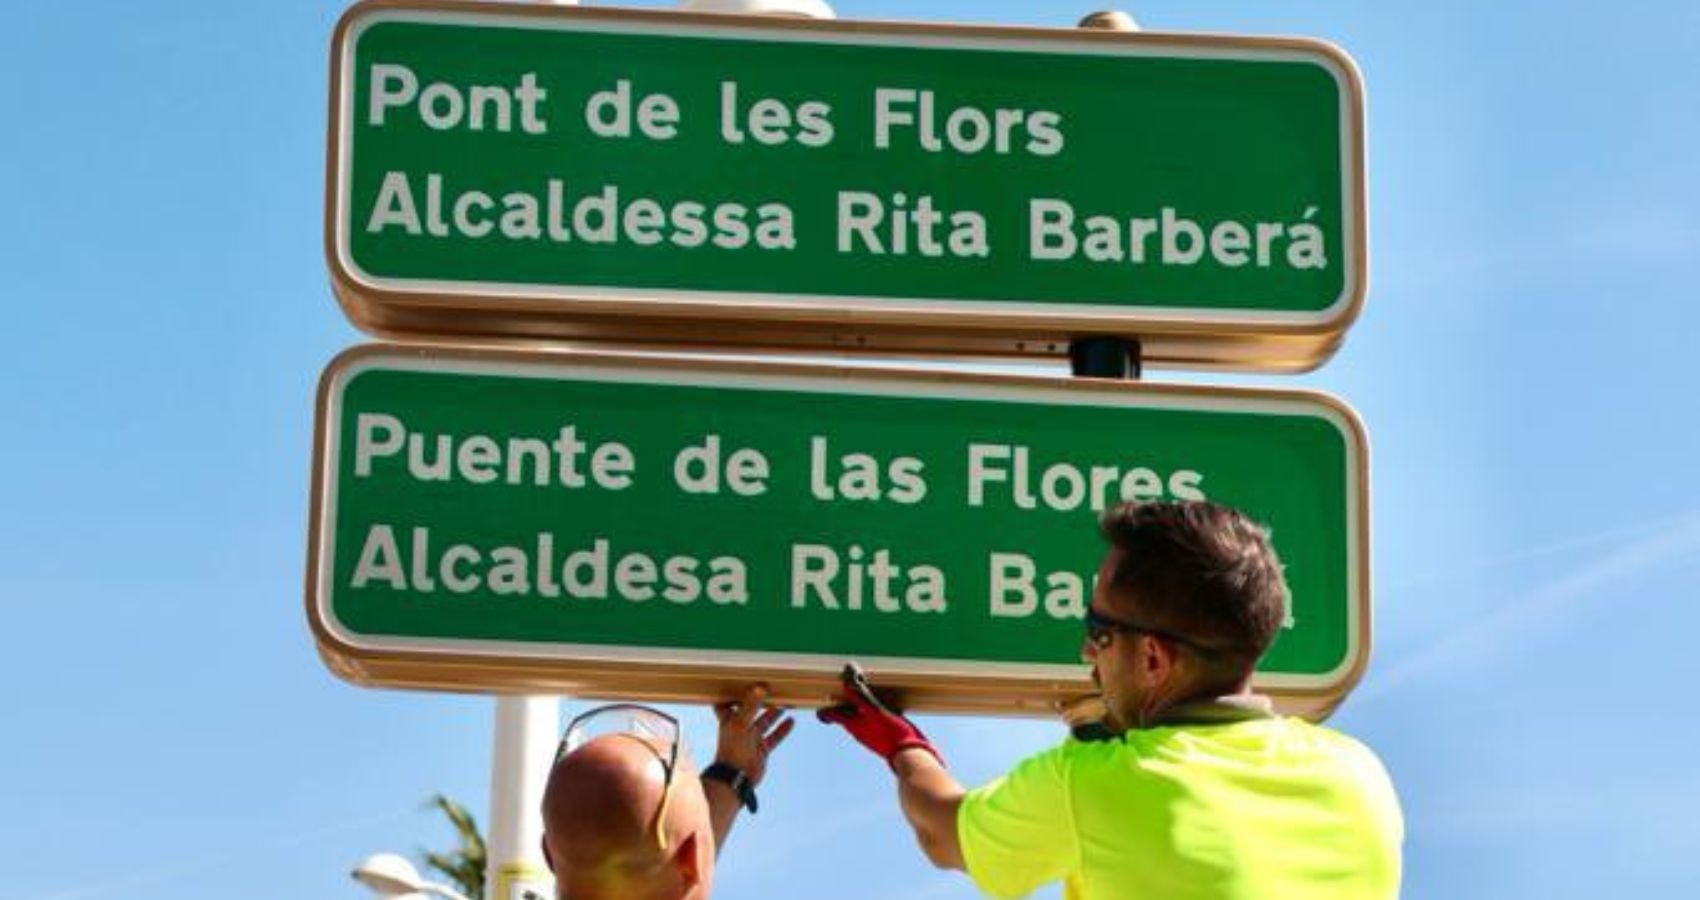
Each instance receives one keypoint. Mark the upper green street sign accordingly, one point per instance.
(635, 526)
(590, 172)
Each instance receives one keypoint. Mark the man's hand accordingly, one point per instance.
(749, 731)
(874, 725)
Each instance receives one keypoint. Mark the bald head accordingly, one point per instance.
(599, 831)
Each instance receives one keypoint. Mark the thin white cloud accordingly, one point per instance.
(1557, 548)
(1483, 638)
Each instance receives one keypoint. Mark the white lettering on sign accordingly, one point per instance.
(591, 572)
(880, 229)
(967, 130)
(772, 122)
(698, 469)
(923, 222)
(610, 114)
(1015, 591)
(416, 561)
(598, 218)
(442, 106)
(847, 581)
(1053, 235)
(565, 459)
(860, 476)
(1006, 471)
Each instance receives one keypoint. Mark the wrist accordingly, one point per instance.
(735, 780)
(912, 757)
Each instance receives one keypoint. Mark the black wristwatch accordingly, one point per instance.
(734, 778)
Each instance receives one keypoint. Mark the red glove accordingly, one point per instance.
(873, 724)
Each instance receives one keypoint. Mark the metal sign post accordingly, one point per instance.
(524, 735)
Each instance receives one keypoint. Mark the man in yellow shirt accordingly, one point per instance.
(1201, 792)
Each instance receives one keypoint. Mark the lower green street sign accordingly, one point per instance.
(591, 172)
(643, 526)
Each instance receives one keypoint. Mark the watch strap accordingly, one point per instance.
(734, 778)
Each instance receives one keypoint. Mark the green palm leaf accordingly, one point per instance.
(464, 865)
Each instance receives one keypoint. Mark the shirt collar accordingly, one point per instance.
(1218, 711)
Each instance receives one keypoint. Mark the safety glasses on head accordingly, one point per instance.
(656, 729)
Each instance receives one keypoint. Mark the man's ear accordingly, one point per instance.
(1158, 658)
(687, 861)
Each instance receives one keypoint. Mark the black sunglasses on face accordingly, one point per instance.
(1102, 629)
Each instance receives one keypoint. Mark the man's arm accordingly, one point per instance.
(931, 799)
(749, 731)
(1019, 828)
(723, 806)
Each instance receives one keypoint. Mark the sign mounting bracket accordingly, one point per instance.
(1106, 357)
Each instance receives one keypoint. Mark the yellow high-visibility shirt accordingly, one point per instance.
(1264, 808)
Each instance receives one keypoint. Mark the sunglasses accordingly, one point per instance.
(1102, 629)
(655, 727)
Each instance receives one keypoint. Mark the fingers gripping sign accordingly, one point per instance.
(871, 722)
(750, 730)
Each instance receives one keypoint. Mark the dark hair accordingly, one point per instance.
(1205, 572)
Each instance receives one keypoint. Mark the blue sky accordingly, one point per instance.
(1523, 366)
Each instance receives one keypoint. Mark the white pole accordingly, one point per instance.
(527, 730)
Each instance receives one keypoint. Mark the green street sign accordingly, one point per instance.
(588, 172)
(644, 526)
